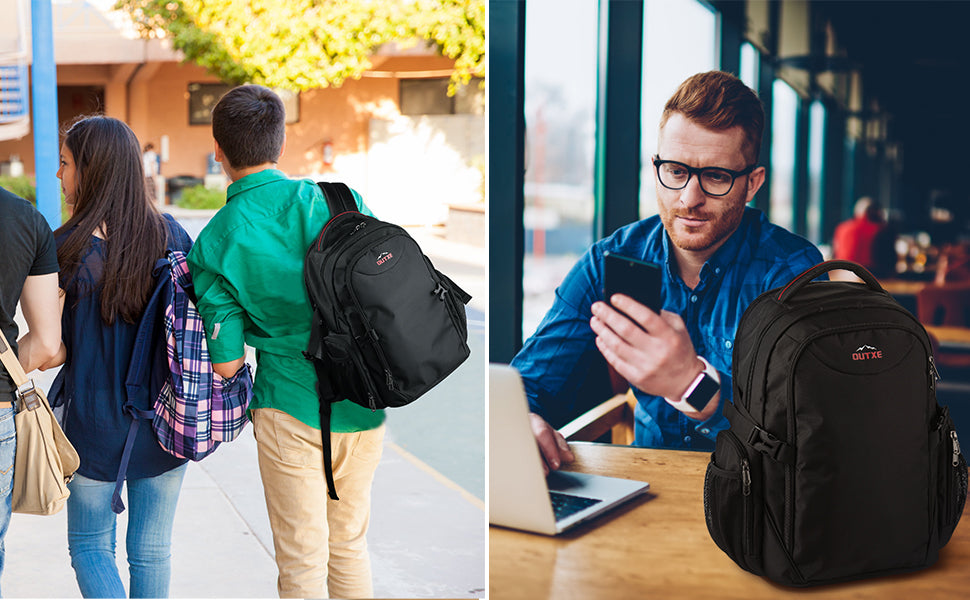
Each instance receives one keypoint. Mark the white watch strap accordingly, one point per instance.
(709, 370)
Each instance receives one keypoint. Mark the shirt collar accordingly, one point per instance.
(738, 247)
(253, 180)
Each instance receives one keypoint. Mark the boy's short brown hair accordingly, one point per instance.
(249, 124)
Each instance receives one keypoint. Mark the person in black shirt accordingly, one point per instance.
(28, 275)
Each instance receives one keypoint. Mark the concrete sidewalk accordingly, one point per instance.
(427, 535)
(428, 530)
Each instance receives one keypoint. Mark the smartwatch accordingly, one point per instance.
(701, 390)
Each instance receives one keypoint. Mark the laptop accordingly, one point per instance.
(519, 496)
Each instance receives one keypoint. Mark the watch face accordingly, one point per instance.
(703, 393)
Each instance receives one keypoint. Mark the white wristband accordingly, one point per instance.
(709, 371)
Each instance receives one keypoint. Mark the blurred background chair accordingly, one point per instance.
(947, 304)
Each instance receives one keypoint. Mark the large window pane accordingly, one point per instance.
(560, 107)
(783, 123)
(750, 65)
(816, 174)
(678, 40)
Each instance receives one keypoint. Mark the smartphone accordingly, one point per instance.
(635, 278)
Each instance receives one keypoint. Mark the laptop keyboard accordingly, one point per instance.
(565, 505)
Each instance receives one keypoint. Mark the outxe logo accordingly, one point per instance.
(866, 352)
(384, 257)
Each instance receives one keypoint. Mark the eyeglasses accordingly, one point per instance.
(715, 181)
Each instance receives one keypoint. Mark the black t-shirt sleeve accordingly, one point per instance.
(45, 256)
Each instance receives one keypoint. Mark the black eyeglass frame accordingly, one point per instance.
(657, 162)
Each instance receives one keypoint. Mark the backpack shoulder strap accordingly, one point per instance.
(339, 197)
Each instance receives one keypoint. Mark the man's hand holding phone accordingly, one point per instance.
(649, 347)
(637, 279)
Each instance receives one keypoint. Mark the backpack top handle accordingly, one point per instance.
(830, 265)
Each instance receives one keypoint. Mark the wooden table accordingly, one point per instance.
(950, 337)
(903, 287)
(658, 547)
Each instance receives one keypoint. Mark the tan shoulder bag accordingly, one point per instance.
(45, 460)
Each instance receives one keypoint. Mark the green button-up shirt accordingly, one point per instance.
(247, 266)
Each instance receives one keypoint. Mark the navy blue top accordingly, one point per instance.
(557, 359)
(91, 384)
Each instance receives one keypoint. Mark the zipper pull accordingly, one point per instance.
(956, 447)
(934, 373)
(745, 478)
(389, 380)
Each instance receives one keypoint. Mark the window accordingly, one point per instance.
(430, 97)
(816, 174)
(560, 115)
(750, 65)
(783, 124)
(678, 41)
(204, 96)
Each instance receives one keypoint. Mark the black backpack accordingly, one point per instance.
(839, 464)
(387, 326)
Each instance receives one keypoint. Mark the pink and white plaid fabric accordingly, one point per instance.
(196, 408)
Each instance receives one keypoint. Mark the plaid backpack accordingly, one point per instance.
(195, 410)
(191, 410)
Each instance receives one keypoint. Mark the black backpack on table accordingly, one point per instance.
(387, 326)
(839, 464)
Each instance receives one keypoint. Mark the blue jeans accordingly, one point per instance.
(91, 535)
(8, 447)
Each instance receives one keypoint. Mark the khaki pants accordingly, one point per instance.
(321, 548)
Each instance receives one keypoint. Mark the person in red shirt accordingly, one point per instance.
(861, 239)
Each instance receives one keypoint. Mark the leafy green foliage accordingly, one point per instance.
(24, 187)
(304, 44)
(201, 197)
(21, 186)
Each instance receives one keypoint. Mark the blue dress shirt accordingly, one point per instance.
(556, 361)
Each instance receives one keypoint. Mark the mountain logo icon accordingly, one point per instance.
(866, 352)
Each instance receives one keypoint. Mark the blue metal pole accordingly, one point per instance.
(44, 101)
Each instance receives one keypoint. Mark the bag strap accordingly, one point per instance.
(138, 370)
(339, 197)
(325, 394)
(462, 295)
(117, 505)
(26, 392)
(754, 436)
(325, 409)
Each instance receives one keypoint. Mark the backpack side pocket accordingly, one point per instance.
(732, 505)
(951, 489)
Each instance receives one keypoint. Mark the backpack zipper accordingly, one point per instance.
(748, 519)
(934, 374)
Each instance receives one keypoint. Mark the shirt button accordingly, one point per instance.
(728, 344)
(693, 298)
(704, 430)
(686, 439)
(717, 270)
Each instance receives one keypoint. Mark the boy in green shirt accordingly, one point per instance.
(247, 266)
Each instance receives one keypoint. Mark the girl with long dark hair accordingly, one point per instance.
(107, 251)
